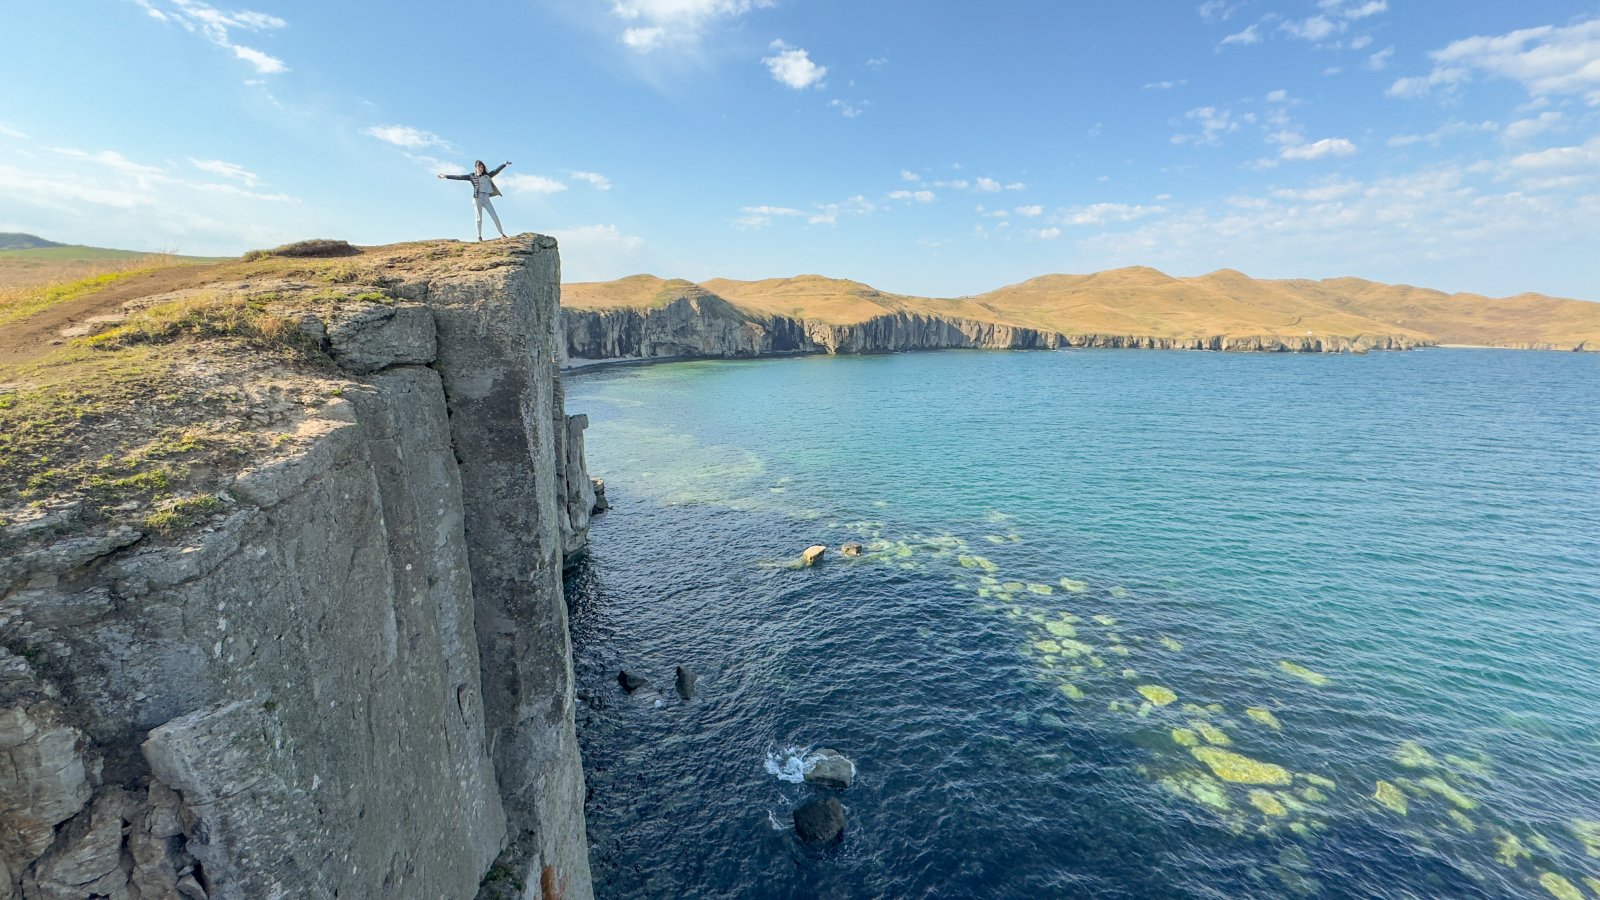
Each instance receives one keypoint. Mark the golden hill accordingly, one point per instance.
(1145, 304)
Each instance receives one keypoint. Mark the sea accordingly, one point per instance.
(1124, 624)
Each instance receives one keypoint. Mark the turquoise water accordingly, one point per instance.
(1350, 570)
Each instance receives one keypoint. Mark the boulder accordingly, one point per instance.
(601, 504)
(830, 769)
(630, 682)
(819, 821)
(851, 549)
(686, 680)
(813, 554)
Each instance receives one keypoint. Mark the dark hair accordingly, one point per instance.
(478, 164)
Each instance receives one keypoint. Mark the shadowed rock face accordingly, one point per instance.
(354, 677)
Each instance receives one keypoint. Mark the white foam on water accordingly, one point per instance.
(772, 818)
(788, 764)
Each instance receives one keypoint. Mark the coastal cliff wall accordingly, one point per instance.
(707, 326)
(354, 678)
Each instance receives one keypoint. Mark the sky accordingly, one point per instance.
(921, 146)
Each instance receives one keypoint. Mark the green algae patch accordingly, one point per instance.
(1304, 674)
(1413, 755)
(1509, 850)
(1559, 887)
(1390, 797)
(1105, 620)
(1074, 587)
(1119, 592)
(1230, 766)
(1062, 629)
(1072, 691)
(1593, 883)
(1267, 803)
(1012, 587)
(1184, 737)
(1172, 644)
(1120, 650)
(976, 562)
(1320, 781)
(1213, 735)
(1588, 834)
(1461, 820)
(1043, 590)
(1156, 694)
(1075, 648)
(1477, 768)
(1439, 786)
(1047, 647)
(1265, 717)
(1312, 794)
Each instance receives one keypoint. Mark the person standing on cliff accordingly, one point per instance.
(482, 190)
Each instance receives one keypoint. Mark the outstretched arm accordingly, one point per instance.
(455, 177)
(496, 170)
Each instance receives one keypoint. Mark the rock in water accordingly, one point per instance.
(601, 504)
(630, 682)
(851, 549)
(830, 769)
(686, 680)
(813, 554)
(820, 821)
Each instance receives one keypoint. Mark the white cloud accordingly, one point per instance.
(1547, 60)
(1449, 129)
(10, 132)
(1319, 149)
(1371, 8)
(407, 137)
(1103, 213)
(917, 196)
(217, 27)
(829, 213)
(1360, 42)
(1278, 96)
(598, 252)
(1584, 157)
(1322, 193)
(848, 110)
(518, 183)
(1243, 38)
(960, 184)
(1213, 11)
(1030, 211)
(1213, 122)
(988, 185)
(1016, 186)
(1165, 85)
(226, 170)
(877, 62)
(792, 66)
(111, 159)
(594, 179)
(1096, 129)
(1316, 28)
(908, 175)
(1522, 129)
(1048, 234)
(656, 24)
(1379, 61)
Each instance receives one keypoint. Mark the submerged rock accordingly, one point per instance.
(1230, 766)
(830, 769)
(1389, 796)
(820, 821)
(685, 685)
(630, 682)
(851, 549)
(813, 554)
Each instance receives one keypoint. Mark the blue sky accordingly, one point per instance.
(924, 147)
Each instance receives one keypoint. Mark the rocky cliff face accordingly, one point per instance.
(352, 680)
(707, 326)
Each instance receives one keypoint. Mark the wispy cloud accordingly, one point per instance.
(658, 24)
(1165, 85)
(1245, 38)
(407, 137)
(218, 26)
(1106, 213)
(1546, 61)
(1213, 124)
(914, 196)
(1523, 129)
(792, 66)
(847, 109)
(1213, 11)
(1320, 149)
(521, 183)
(593, 179)
(227, 170)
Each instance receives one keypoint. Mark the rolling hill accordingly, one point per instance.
(1135, 306)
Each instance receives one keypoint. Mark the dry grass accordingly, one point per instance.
(20, 302)
(244, 319)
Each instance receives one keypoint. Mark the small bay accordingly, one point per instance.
(1093, 582)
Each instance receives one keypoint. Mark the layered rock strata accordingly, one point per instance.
(701, 325)
(354, 679)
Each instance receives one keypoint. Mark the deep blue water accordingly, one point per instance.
(1421, 529)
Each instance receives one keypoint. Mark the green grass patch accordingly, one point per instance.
(20, 304)
(246, 319)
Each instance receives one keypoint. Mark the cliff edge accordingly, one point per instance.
(281, 611)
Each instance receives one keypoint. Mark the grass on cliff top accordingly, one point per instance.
(137, 419)
(19, 303)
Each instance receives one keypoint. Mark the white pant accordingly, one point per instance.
(480, 202)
